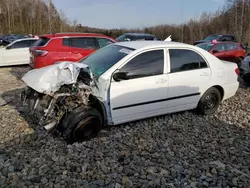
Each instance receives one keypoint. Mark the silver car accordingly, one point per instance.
(245, 69)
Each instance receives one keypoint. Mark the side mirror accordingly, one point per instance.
(118, 76)
(8, 47)
(215, 51)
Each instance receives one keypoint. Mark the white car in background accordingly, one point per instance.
(128, 81)
(16, 53)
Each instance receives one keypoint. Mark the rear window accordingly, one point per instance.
(41, 41)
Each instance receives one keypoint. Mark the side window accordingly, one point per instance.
(21, 44)
(66, 42)
(31, 42)
(84, 42)
(232, 46)
(104, 42)
(184, 60)
(220, 47)
(146, 64)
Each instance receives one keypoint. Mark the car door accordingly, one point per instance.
(144, 93)
(219, 51)
(17, 53)
(82, 47)
(230, 52)
(189, 76)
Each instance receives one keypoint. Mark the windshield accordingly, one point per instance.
(104, 58)
(205, 46)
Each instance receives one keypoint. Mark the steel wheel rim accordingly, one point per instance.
(210, 101)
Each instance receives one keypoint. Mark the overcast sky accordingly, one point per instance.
(134, 13)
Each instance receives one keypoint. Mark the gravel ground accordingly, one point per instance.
(178, 150)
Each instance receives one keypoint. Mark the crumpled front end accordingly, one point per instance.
(56, 90)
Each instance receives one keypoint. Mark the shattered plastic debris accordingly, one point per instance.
(49, 79)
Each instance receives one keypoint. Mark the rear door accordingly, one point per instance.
(230, 52)
(189, 76)
(82, 47)
(219, 51)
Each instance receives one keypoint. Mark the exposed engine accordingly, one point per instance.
(48, 110)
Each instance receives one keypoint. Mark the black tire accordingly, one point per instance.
(81, 124)
(246, 78)
(209, 102)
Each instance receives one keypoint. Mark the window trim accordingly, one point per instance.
(141, 52)
(180, 48)
(28, 41)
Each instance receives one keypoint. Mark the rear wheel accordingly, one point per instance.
(81, 124)
(209, 102)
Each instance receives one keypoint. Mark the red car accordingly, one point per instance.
(228, 51)
(53, 48)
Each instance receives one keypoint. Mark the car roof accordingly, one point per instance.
(220, 42)
(139, 34)
(143, 44)
(23, 39)
(221, 35)
(73, 34)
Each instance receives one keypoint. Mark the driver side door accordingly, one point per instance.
(144, 92)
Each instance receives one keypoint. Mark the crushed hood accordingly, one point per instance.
(49, 79)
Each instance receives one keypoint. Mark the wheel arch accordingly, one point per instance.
(221, 90)
(97, 104)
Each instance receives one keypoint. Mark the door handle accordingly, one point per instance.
(161, 81)
(74, 52)
(204, 74)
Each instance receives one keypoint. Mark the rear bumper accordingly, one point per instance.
(230, 90)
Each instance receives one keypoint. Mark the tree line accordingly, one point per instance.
(41, 17)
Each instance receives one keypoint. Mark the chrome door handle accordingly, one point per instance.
(161, 81)
(204, 74)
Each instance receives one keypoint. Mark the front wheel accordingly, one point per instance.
(81, 124)
(209, 102)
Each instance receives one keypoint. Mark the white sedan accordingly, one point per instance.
(16, 53)
(132, 81)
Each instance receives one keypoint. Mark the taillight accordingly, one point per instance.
(237, 71)
(40, 52)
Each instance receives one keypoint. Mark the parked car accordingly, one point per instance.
(210, 38)
(127, 81)
(7, 39)
(53, 48)
(245, 69)
(16, 53)
(229, 51)
(136, 36)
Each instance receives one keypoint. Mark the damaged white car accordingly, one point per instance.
(125, 82)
